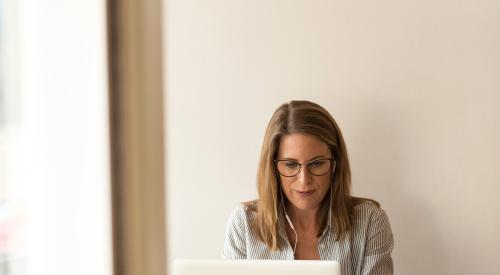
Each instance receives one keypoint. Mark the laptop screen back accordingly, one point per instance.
(255, 267)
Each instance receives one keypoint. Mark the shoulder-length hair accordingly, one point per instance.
(307, 118)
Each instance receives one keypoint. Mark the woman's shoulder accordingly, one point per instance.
(243, 212)
(365, 204)
(368, 210)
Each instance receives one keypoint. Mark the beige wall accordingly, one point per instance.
(415, 88)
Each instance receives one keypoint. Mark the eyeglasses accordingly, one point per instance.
(317, 167)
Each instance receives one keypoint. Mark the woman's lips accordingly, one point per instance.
(304, 194)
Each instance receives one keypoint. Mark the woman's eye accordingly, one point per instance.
(291, 164)
(317, 163)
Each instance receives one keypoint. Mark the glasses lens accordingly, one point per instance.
(319, 167)
(288, 168)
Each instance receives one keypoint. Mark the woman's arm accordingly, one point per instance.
(379, 245)
(235, 237)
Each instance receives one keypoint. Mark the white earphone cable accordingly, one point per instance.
(290, 223)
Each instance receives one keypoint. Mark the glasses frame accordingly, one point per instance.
(332, 164)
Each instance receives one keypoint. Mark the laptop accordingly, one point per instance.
(255, 267)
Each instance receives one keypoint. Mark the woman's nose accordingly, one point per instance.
(304, 175)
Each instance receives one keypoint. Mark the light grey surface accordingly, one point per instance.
(413, 85)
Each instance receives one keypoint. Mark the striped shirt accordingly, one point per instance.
(365, 251)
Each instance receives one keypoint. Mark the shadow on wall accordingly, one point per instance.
(389, 165)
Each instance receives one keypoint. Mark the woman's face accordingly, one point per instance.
(304, 190)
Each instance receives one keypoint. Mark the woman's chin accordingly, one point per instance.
(305, 205)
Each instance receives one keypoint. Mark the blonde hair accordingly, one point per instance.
(307, 118)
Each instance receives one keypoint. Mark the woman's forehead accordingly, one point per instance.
(302, 147)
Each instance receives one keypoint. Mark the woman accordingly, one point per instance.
(305, 209)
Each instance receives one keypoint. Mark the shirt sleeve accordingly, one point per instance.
(235, 237)
(379, 245)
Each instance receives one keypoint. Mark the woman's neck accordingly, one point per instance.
(303, 220)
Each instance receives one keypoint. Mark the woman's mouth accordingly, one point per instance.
(304, 194)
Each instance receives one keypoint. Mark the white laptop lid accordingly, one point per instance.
(255, 267)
